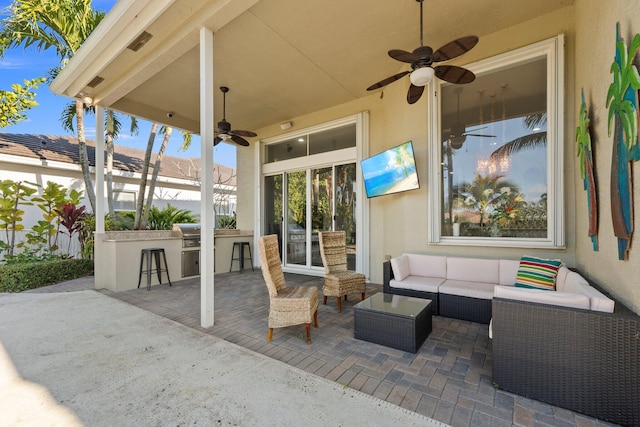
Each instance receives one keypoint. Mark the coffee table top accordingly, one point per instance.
(394, 304)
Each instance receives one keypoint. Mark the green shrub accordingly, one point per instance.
(23, 276)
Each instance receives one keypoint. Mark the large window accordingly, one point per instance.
(498, 146)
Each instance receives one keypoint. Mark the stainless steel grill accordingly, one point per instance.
(191, 248)
(190, 234)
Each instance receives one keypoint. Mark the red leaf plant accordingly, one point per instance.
(69, 215)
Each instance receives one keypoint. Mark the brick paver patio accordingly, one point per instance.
(449, 379)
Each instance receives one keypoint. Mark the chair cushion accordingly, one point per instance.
(537, 273)
(400, 267)
(420, 283)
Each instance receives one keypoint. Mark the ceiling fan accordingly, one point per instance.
(422, 58)
(458, 133)
(224, 132)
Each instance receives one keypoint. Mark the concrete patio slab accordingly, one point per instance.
(83, 358)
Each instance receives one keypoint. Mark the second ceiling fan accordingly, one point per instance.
(422, 59)
(224, 132)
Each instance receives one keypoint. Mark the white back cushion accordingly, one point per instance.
(577, 284)
(428, 265)
(561, 278)
(541, 296)
(508, 271)
(473, 270)
(400, 267)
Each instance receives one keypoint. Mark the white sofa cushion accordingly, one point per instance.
(400, 267)
(508, 271)
(428, 265)
(479, 290)
(564, 299)
(577, 284)
(473, 270)
(418, 283)
(561, 277)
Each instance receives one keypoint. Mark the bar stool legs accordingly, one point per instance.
(146, 258)
(241, 256)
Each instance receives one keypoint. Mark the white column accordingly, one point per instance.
(99, 170)
(207, 217)
(101, 271)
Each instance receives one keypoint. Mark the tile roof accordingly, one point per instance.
(65, 149)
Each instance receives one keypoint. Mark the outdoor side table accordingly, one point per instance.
(395, 321)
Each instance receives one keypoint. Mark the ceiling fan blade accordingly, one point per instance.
(243, 133)
(455, 48)
(477, 134)
(388, 80)
(403, 56)
(240, 141)
(454, 74)
(217, 140)
(414, 93)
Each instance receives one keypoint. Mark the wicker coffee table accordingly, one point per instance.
(393, 320)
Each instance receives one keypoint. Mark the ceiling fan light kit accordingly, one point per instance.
(422, 76)
(422, 59)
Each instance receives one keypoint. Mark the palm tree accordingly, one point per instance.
(483, 191)
(113, 127)
(583, 140)
(62, 25)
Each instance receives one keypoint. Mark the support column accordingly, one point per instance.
(207, 217)
(101, 270)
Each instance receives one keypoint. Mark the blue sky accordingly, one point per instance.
(20, 64)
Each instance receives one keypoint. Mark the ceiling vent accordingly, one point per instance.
(140, 41)
(95, 82)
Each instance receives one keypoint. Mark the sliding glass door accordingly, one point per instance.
(316, 199)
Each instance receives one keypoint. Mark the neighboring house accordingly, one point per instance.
(42, 158)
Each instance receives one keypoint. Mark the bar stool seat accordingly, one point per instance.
(241, 255)
(146, 259)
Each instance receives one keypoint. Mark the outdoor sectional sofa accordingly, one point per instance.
(574, 347)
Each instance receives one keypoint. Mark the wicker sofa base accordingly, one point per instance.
(585, 361)
(465, 308)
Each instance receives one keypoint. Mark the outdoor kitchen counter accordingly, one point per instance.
(119, 267)
(223, 241)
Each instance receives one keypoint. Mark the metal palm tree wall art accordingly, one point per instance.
(622, 102)
(583, 140)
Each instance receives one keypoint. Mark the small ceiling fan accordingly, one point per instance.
(458, 133)
(422, 58)
(224, 131)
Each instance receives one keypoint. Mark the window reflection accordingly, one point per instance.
(494, 154)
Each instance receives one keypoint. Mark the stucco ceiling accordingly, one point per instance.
(280, 58)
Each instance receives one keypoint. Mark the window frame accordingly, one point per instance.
(553, 50)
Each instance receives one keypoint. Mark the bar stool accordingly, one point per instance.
(241, 257)
(149, 255)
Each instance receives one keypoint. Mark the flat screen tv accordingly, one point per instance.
(391, 171)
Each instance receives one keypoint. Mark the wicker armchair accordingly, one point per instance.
(338, 281)
(287, 305)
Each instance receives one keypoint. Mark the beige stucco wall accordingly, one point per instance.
(400, 221)
(595, 46)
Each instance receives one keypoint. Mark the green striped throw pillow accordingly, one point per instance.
(537, 273)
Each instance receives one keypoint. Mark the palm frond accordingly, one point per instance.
(533, 140)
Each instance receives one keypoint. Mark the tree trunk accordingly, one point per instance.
(154, 177)
(84, 157)
(137, 223)
(110, 150)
